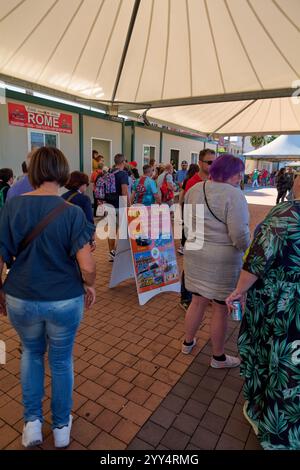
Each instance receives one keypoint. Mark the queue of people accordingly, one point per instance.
(121, 186)
(48, 240)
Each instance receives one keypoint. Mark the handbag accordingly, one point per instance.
(206, 202)
(166, 193)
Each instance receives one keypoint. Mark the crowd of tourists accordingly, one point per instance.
(281, 179)
(47, 243)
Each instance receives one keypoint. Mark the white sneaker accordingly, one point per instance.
(62, 435)
(187, 349)
(180, 250)
(32, 433)
(230, 361)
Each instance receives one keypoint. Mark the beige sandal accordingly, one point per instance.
(250, 421)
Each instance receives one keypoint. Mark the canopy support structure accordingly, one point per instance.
(220, 98)
(126, 45)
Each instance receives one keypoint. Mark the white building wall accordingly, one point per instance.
(185, 146)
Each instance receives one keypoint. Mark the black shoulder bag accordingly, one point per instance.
(212, 213)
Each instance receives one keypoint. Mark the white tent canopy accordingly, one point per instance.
(207, 59)
(269, 116)
(284, 147)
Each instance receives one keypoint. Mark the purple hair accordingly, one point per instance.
(226, 166)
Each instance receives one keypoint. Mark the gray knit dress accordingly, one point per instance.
(214, 250)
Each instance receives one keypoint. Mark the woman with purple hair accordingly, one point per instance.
(214, 251)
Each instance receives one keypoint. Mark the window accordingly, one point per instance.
(194, 157)
(149, 154)
(41, 139)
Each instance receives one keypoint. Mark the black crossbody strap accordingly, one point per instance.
(214, 215)
(42, 225)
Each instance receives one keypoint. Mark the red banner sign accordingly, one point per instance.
(28, 116)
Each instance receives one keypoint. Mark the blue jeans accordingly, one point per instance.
(40, 324)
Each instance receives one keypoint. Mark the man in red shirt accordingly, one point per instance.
(206, 157)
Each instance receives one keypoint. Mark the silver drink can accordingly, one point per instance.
(236, 313)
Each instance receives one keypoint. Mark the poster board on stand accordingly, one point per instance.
(151, 251)
(122, 268)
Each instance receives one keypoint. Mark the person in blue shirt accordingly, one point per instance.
(77, 186)
(181, 174)
(51, 280)
(23, 185)
(144, 190)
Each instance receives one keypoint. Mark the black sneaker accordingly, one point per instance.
(184, 304)
(112, 255)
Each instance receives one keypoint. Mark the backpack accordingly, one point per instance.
(105, 188)
(2, 199)
(95, 175)
(166, 193)
(140, 190)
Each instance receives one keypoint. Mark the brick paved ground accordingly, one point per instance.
(127, 364)
(202, 411)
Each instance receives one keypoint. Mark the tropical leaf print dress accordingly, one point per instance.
(269, 338)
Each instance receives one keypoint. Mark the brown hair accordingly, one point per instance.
(204, 152)
(29, 156)
(77, 179)
(48, 164)
(119, 158)
(160, 169)
(146, 168)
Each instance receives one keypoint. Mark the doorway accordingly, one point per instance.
(103, 147)
(174, 158)
(148, 154)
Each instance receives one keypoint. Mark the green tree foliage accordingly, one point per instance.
(257, 141)
(260, 140)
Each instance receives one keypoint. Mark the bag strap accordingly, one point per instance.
(212, 213)
(69, 199)
(42, 225)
